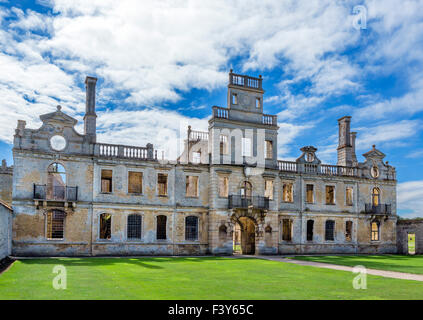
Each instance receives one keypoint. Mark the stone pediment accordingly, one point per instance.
(58, 116)
(374, 154)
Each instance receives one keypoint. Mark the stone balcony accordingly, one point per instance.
(243, 202)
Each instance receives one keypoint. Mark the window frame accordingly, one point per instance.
(140, 227)
(333, 230)
(165, 227)
(306, 197)
(376, 195)
(351, 231)
(272, 193)
(158, 183)
(46, 226)
(290, 228)
(244, 149)
(227, 186)
(291, 185)
(197, 192)
(197, 229)
(266, 149)
(99, 226)
(101, 181)
(142, 182)
(374, 232)
(352, 196)
(333, 188)
(234, 99)
(312, 230)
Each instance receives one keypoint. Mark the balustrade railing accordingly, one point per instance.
(245, 81)
(239, 201)
(321, 169)
(378, 209)
(56, 193)
(221, 113)
(122, 151)
(271, 120)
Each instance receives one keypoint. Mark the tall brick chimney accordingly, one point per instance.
(90, 118)
(345, 154)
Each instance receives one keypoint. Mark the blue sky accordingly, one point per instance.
(161, 65)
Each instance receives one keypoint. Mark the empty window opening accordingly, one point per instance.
(234, 98)
(310, 193)
(56, 182)
(268, 191)
(106, 180)
(269, 149)
(191, 187)
(349, 196)
(330, 230)
(134, 182)
(223, 144)
(161, 227)
(330, 195)
(223, 233)
(105, 226)
(310, 227)
(191, 228)
(196, 157)
(375, 231)
(246, 147)
(376, 196)
(162, 184)
(258, 103)
(134, 226)
(287, 192)
(246, 189)
(287, 229)
(55, 224)
(348, 230)
(223, 186)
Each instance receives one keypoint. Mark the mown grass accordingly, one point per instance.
(400, 263)
(192, 278)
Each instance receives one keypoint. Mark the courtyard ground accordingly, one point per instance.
(399, 263)
(192, 278)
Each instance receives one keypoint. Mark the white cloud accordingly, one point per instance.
(410, 198)
(286, 135)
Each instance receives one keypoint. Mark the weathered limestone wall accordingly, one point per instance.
(6, 182)
(5, 231)
(404, 227)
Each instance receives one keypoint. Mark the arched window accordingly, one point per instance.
(56, 182)
(105, 226)
(374, 226)
(134, 226)
(376, 196)
(330, 230)
(55, 224)
(246, 189)
(161, 227)
(191, 228)
(222, 232)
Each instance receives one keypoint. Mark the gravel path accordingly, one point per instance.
(375, 272)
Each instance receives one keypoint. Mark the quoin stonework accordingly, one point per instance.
(227, 191)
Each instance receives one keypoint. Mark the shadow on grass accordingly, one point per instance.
(146, 262)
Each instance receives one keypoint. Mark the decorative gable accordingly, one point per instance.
(374, 154)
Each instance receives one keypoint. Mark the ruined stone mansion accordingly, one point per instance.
(227, 192)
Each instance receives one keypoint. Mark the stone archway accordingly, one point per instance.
(247, 230)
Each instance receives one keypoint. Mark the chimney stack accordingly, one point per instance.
(345, 149)
(353, 155)
(90, 115)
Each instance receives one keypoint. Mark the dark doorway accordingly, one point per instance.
(244, 238)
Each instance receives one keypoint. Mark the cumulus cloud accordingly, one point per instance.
(410, 198)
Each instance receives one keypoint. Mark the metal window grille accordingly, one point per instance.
(105, 226)
(191, 228)
(55, 224)
(134, 226)
(161, 227)
(329, 230)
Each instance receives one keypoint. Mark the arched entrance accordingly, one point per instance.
(244, 236)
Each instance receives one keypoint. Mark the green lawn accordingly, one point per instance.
(193, 278)
(410, 264)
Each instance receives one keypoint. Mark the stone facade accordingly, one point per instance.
(405, 227)
(75, 196)
(5, 229)
(6, 177)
